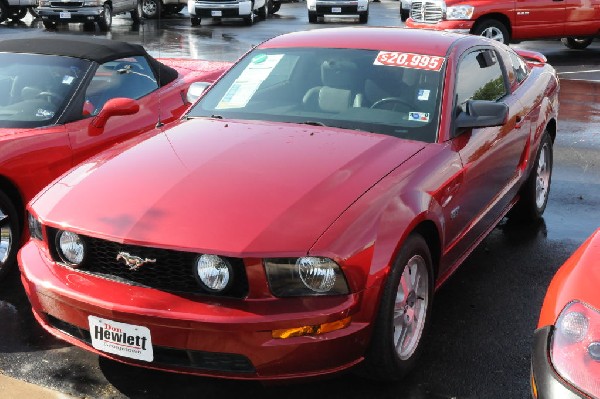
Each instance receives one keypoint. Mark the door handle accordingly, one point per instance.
(519, 120)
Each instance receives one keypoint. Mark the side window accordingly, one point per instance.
(479, 77)
(129, 77)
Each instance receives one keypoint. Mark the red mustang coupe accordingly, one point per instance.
(65, 98)
(298, 221)
(566, 351)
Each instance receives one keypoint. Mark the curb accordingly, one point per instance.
(14, 388)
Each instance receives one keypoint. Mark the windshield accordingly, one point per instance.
(37, 88)
(388, 93)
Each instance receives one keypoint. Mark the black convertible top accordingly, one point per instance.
(90, 48)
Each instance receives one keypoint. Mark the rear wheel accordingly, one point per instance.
(533, 196)
(105, 21)
(577, 43)
(9, 234)
(492, 29)
(404, 313)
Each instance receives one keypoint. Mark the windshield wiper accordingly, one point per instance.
(312, 123)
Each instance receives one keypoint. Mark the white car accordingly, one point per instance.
(215, 9)
(319, 8)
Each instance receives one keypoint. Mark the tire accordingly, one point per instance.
(3, 12)
(49, 25)
(151, 8)
(33, 12)
(363, 18)
(275, 6)
(17, 13)
(533, 196)
(249, 20)
(262, 12)
(312, 17)
(195, 21)
(404, 14)
(577, 43)
(10, 233)
(105, 21)
(138, 13)
(492, 29)
(404, 314)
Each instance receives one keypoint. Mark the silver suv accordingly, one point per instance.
(87, 11)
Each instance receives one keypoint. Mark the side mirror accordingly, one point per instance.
(195, 91)
(115, 107)
(480, 113)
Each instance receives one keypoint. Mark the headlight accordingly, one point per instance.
(70, 247)
(44, 3)
(92, 3)
(35, 227)
(213, 272)
(574, 350)
(308, 275)
(460, 12)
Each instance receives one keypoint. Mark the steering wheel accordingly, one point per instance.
(51, 97)
(393, 101)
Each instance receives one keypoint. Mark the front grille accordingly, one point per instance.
(66, 4)
(425, 11)
(173, 271)
(198, 360)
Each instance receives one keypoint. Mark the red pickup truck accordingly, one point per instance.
(575, 22)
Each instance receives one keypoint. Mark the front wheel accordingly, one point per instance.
(312, 17)
(404, 313)
(404, 14)
(492, 29)
(262, 12)
(3, 11)
(195, 21)
(105, 21)
(49, 25)
(533, 196)
(577, 43)
(363, 17)
(9, 235)
(274, 6)
(137, 14)
(249, 20)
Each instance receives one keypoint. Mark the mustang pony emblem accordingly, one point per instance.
(133, 262)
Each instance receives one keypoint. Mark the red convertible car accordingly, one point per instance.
(566, 349)
(298, 221)
(65, 98)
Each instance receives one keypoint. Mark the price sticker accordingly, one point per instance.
(409, 60)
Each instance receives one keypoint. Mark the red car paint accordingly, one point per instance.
(257, 189)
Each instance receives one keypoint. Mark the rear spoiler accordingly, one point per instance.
(532, 56)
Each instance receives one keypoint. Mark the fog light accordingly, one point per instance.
(71, 247)
(213, 272)
(311, 330)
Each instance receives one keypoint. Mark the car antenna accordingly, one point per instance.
(159, 123)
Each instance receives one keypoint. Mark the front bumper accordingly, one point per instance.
(74, 14)
(230, 9)
(544, 379)
(219, 337)
(458, 26)
(338, 7)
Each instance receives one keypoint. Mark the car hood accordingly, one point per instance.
(230, 187)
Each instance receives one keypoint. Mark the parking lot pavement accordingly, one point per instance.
(13, 388)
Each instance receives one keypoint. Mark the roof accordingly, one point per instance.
(90, 48)
(420, 41)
